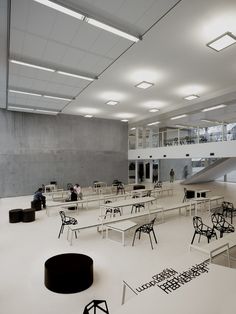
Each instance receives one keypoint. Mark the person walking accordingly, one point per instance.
(172, 175)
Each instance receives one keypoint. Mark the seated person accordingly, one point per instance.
(120, 188)
(72, 197)
(78, 191)
(39, 197)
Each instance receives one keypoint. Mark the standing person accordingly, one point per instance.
(155, 175)
(172, 175)
(78, 191)
(185, 172)
(39, 197)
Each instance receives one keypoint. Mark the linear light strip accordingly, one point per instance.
(32, 65)
(32, 109)
(89, 20)
(76, 75)
(35, 66)
(179, 117)
(39, 95)
(214, 108)
(61, 8)
(111, 29)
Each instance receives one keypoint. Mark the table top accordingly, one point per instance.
(211, 291)
(129, 202)
(122, 225)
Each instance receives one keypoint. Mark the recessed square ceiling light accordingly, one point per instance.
(179, 117)
(154, 110)
(124, 120)
(88, 116)
(213, 108)
(153, 123)
(222, 42)
(191, 97)
(144, 85)
(112, 102)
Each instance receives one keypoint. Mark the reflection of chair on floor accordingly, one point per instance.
(220, 224)
(94, 305)
(65, 221)
(202, 229)
(146, 228)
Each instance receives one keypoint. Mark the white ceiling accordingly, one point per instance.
(173, 55)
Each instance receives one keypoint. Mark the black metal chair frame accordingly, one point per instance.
(146, 228)
(96, 304)
(228, 208)
(112, 211)
(220, 224)
(65, 221)
(202, 229)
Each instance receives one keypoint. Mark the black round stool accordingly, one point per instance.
(36, 205)
(15, 215)
(28, 215)
(68, 273)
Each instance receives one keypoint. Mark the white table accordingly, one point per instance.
(121, 226)
(141, 192)
(199, 201)
(211, 292)
(200, 192)
(127, 202)
(218, 246)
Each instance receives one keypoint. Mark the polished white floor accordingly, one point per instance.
(26, 246)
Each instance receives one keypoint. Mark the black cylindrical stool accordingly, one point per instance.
(68, 273)
(138, 187)
(36, 205)
(15, 215)
(28, 215)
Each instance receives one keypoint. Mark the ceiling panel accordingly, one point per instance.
(172, 55)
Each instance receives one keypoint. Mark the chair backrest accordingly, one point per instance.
(96, 304)
(63, 215)
(197, 223)
(218, 220)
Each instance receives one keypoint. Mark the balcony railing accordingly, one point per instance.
(147, 138)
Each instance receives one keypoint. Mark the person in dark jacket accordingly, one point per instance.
(39, 197)
(72, 197)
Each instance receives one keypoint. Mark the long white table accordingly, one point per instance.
(207, 289)
(127, 202)
(102, 222)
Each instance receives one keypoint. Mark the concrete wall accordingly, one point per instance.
(37, 149)
(177, 164)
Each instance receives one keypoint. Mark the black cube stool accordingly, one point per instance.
(15, 215)
(28, 215)
(36, 205)
(68, 273)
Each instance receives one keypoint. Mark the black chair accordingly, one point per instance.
(94, 305)
(220, 224)
(65, 221)
(202, 229)
(228, 208)
(69, 185)
(146, 228)
(158, 185)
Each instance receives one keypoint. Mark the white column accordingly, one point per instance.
(136, 172)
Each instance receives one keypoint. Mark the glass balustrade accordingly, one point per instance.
(148, 137)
